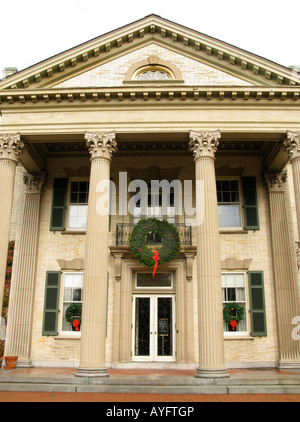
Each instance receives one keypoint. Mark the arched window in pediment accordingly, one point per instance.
(153, 69)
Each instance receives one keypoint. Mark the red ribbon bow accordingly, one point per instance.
(76, 324)
(233, 324)
(156, 258)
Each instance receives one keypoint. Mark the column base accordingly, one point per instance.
(24, 364)
(212, 373)
(287, 365)
(92, 372)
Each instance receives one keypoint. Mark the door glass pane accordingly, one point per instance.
(164, 326)
(142, 326)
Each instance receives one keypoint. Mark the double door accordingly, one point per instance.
(153, 326)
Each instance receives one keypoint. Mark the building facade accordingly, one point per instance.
(153, 120)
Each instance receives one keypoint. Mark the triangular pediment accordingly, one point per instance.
(215, 62)
(114, 73)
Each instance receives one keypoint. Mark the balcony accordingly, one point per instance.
(124, 230)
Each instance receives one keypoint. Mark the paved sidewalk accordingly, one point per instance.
(42, 397)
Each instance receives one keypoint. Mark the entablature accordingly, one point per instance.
(155, 93)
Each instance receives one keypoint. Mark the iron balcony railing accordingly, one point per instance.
(124, 230)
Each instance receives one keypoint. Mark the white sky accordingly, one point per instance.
(34, 30)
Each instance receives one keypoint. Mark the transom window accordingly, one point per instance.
(229, 204)
(146, 280)
(234, 290)
(78, 204)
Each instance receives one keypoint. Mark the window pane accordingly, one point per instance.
(231, 297)
(234, 186)
(239, 280)
(78, 216)
(77, 295)
(67, 294)
(225, 185)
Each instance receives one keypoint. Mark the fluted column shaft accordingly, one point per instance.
(210, 314)
(10, 149)
(292, 145)
(285, 281)
(20, 312)
(94, 307)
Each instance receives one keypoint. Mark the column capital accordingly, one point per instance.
(34, 182)
(291, 144)
(204, 143)
(11, 146)
(101, 144)
(275, 180)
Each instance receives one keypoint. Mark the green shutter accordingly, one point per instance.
(257, 303)
(51, 302)
(58, 204)
(250, 203)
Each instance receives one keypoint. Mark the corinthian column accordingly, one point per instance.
(210, 310)
(10, 149)
(285, 279)
(93, 328)
(292, 146)
(20, 312)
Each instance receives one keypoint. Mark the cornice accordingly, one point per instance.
(183, 40)
(150, 94)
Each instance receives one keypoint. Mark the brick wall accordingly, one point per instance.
(254, 245)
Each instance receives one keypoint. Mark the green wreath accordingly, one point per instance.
(233, 312)
(73, 312)
(165, 230)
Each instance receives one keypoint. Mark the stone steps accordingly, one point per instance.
(153, 385)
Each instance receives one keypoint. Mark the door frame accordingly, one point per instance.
(153, 356)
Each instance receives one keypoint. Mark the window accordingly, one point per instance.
(234, 290)
(78, 204)
(229, 204)
(155, 208)
(72, 294)
(153, 74)
(155, 69)
(146, 280)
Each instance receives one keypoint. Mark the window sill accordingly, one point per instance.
(73, 232)
(232, 231)
(237, 337)
(153, 81)
(66, 337)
